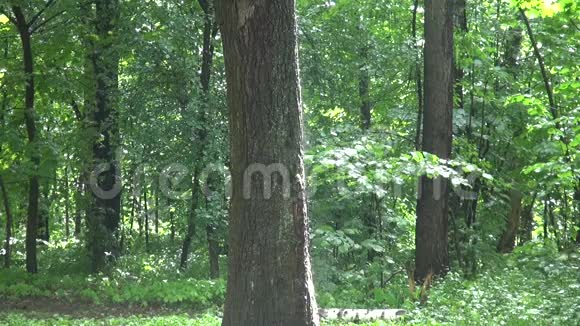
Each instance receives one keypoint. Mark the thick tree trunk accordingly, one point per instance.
(9, 219)
(30, 116)
(431, 255)
(269, 278)
(105, 206)
(508, 238)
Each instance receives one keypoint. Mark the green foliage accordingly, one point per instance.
(105, 290)
(362, 183)
(141, 280)
(537, 284)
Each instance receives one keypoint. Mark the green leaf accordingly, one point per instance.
(373, 245)
(487, 176)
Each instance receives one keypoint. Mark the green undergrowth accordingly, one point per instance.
(143, 280)
(535, 285)
(107, 290)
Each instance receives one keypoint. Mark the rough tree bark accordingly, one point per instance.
(431, 253)
(270, 279)
(104, 215)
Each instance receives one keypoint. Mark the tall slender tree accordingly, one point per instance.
(418, 76)
(3, 191)
(270, 280)
(431, 254)
(364, 88)
(460, 23)
(26, 27)
(8, 212)
(209, 34)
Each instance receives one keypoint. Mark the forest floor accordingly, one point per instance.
(534, 286)
(49, 307)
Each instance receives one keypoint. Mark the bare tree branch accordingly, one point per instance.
(543, 70)
(34, 18)
(46, 21)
